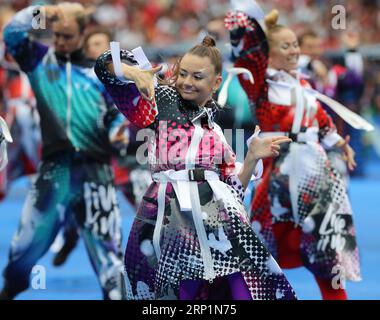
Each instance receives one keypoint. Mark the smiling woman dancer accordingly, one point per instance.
(301, 208)
(191, 238)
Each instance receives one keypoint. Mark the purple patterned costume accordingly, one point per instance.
(191, 233)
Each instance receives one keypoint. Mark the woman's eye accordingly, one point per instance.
(198, 77)
(182, 74)
(285, 46)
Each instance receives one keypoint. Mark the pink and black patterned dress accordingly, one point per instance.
(300, 209)
(191, 224)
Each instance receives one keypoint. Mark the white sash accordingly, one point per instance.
(290, 92)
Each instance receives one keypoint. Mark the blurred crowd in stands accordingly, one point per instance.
(170, 24)
(163, 22)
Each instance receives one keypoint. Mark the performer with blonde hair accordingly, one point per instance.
(301, 208)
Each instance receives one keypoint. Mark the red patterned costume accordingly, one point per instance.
(300, 209)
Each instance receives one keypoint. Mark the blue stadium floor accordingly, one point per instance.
(75, 280)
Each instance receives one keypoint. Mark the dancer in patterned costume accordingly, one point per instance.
(132, 178)
(191, 237)
(300, 209)
(74, 180)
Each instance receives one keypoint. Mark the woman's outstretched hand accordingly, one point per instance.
(348, 153)
(143, 79)
(145, 82)
(261, 148)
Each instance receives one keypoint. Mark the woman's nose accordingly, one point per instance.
(187, 81)
(294, 50)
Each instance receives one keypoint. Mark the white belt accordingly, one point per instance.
(180, 180)
(311, 135)
(185, 187)
(184, 175)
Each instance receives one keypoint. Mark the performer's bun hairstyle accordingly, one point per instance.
(271, 19)
(272, 26)
(208, 41)
(208, 49)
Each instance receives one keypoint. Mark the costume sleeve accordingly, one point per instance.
(249, 50)
(124, 92)
(228, 167)
(229, 173)
(26, 52)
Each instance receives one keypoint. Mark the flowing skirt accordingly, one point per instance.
(301, 187)
(236, 252)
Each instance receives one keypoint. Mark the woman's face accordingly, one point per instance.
(197, 79)
(284, 50)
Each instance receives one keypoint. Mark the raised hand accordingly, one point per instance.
(65, 11)
(54, 12)
(260, 148)
(120, 138)
(144, 81)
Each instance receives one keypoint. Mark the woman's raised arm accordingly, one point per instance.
(133, 95)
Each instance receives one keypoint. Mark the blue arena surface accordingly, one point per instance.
(75, 280)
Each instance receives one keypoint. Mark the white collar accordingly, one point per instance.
(283, 76)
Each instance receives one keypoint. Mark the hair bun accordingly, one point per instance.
(208, 41)
(271, 19)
